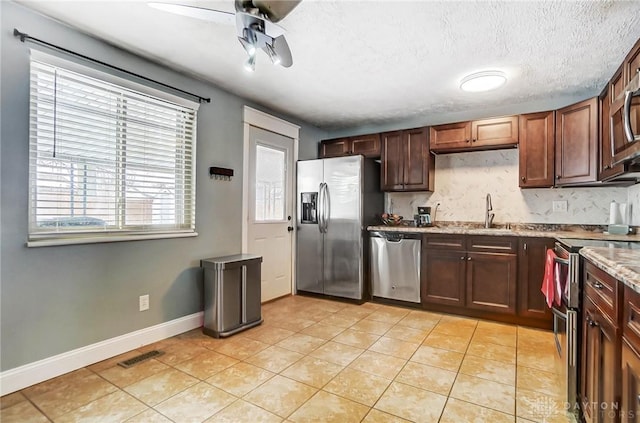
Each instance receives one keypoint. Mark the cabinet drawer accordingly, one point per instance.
(601, 288)
(492, 244)
(631, 317)
(444, 242)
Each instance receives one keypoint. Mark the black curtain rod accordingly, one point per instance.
(26, 37)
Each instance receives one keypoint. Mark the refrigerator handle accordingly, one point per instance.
(320, 209)
(327, 207)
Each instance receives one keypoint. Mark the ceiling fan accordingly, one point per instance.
(255, 23)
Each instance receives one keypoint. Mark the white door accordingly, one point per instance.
(270, 211)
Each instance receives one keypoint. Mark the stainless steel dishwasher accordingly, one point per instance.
(395, 265)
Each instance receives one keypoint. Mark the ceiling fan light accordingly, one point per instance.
(250, 64)
(248, 46)
(483, 81)
(275, 58)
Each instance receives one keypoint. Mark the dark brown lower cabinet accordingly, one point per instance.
(491, 282)
(600, 376)
(443, 277)
(531, 261)
(630, 407)
(466, 274)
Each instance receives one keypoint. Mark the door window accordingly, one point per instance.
(270, 184)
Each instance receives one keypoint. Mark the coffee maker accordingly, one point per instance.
(423, 218)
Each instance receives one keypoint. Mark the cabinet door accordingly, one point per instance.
(589, 371)
(537, 150)
(419, 164)
(576, 143)
(335, 148)
(630, 406)
(450, 137)
(491, 282)
(609, 382)
(443, 277)
(367, 145)
(531, 262)
(632, 63)
(605, 168)
(600, 366)
(502, 131)
(392, 172)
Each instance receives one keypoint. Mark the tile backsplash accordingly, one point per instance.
(463, 180)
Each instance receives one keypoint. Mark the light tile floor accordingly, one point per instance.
(317, 360)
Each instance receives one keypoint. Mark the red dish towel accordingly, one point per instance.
(548, 282)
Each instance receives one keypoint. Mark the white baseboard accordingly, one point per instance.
(29, 374)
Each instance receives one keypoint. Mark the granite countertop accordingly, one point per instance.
(621, 263)
(524, 230)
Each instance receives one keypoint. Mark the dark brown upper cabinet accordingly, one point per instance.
(537, 150)
(484, 134)
(407, 164)
(631, 63)
(367, 145)
(606, 170)
(577, 143)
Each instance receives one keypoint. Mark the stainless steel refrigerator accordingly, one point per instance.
(337, 199)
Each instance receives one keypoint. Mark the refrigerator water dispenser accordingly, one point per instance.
(309, 209)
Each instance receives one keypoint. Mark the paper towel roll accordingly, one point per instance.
(614, 214)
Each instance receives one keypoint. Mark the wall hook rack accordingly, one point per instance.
(222, 173)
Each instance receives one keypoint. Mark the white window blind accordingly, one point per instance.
(106, 160)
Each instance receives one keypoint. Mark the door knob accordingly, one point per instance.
(290, 228)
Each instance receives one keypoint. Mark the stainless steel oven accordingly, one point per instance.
(566, 314)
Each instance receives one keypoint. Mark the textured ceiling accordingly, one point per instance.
(373, 62)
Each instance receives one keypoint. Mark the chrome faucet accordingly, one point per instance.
(488, 217)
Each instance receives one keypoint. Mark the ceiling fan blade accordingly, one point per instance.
(208, 15)
(276, 10)
(284, 52)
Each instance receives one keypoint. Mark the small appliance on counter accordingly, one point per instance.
(618, 219)
(423, 218)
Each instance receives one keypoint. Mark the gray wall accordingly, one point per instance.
(56, 299)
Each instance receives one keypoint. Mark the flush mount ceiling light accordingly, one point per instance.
(483, 81)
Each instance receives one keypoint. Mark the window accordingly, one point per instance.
(105, 160)
(270, 184)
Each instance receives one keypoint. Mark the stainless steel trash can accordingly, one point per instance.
(232, 294)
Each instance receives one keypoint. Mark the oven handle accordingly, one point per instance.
(559, 313)
(562, 316)
(561, 261)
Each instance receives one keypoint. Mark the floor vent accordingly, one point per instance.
(140, 358)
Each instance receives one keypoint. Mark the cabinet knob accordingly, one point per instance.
(523, 178)
(592, 323)
(466, 140)
(462, 258)
(598, 285)
(557, 176)
(474, 140)
(468, 258)
(638, 399)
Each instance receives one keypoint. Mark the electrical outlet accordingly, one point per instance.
(560, 206)
(144, 302)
